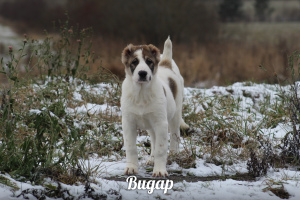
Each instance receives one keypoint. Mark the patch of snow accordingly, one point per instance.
(251, 96)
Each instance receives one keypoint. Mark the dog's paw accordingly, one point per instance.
(160, 173)
(150, 161)
(131, 169)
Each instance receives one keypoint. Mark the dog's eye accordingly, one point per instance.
(135, 62)
(149, 61)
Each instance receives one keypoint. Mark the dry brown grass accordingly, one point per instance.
(212, 64)
(236, 56)
(229, 62)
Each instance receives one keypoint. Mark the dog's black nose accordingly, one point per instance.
(142, 74)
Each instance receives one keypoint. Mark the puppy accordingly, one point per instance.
(152, 95)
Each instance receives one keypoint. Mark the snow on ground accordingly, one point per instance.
(250, 96)
(7, 35)
(8, 38)
(218, 189)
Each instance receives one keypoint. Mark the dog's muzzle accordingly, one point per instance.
(143, 76)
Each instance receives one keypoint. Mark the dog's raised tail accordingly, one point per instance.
(167, 53)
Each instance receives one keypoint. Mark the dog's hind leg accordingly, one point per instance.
(174, 127)
(183, 125)
(152, 138)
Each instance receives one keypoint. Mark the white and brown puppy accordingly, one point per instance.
(152, 95)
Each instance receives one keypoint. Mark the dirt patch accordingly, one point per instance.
(280, 192)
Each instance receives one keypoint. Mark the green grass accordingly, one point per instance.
(48, 142)
(225, 131)
(7, 182)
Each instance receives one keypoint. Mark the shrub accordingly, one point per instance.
(291, 141)
(230, 10)
(34, 12)
(262, 9)
(44, 141)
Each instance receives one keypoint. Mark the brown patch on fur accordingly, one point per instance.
(166, 64)
(128, 53)
(149, 51)
(173, 87)
(165, 91)
(153, 50)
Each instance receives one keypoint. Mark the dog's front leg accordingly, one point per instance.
(130, 134)
(160, 150)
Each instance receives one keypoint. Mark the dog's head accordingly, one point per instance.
(141, 62)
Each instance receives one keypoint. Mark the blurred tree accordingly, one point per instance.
(132, 20)
(35, 13)
(87, 13)
(230, 10)
(154, 20)
(262, 9)
(23, 9)
(148, 21)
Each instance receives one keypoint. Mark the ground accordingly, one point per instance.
(61, 135)
(207, 174)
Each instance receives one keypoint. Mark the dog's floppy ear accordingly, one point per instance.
(155, 52)
(127, 52)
